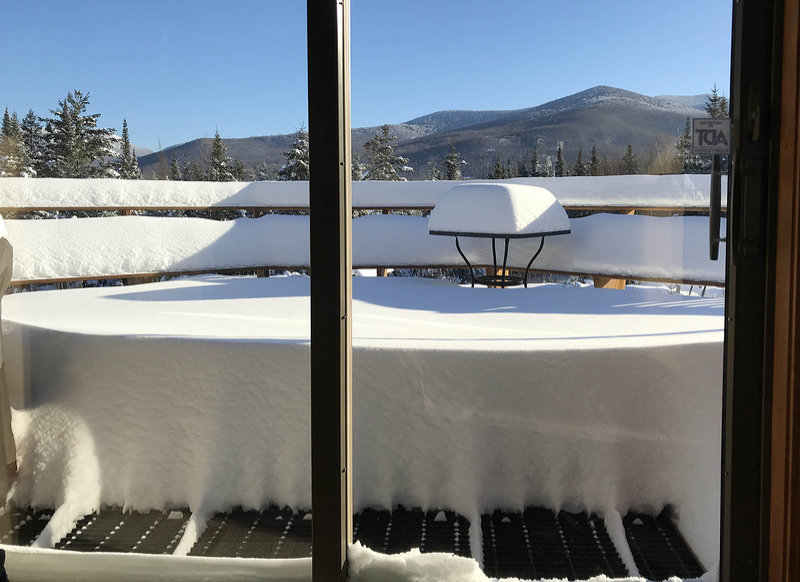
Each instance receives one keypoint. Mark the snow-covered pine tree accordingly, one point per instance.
(384, 164)
(240, 173)
(13, 155)
(453, 163)
(511, 169)
(193, 172)
(536, 167)
(263, 173)
(357, 168)
(684, 144)
(522, 169)
(561, 164)
(5, 128)
(498, 170)
(630, 163)
(716, 104)
(691, 164)
(433, 172)
(76, 147)
(297, 159)
(34, 138)
(127, 165)
(219, 165)
(135, 171)
(175, 171)
(580, 166)
(594, 163)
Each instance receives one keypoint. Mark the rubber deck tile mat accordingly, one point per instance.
(398, 531)
(21, 526)
(539, 543)
(112, 530)
(658, 548)
(269, 533)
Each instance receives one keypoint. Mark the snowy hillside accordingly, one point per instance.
(483, 135)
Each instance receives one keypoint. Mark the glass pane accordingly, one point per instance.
(573, 423)
(158, 407)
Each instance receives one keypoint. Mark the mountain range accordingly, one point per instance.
(607, 117)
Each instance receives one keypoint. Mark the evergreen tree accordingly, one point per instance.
(384, 164)
(452, 164)
(34, 139)
(561, 164)
(357, 168)
(594, 164)
(128, 165)
(511, 169)
(125, 151)
(630, 163)
(536, 168)
(192, 172)
(605, 167)
(548, 169)
(433, 172)
(498, 171)
(240, 173)
(76, 147)
(263, 174)
(716, 104)
(691, 164)
(175, 172)
(13, 154)
(683, 147)
(580, 166)
(219, 165)
(5, 129)
(136, 173)
(297, 159)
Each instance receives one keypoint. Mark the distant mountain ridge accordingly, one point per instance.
(607, 117)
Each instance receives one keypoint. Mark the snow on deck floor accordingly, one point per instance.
(195, 391)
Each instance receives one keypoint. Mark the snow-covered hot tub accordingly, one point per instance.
(196, 392)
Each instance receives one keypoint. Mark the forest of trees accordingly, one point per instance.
(70, 144)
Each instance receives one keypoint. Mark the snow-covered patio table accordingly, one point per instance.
(503, 211)
(196, 392)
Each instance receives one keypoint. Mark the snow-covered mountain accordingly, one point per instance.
(607, 117)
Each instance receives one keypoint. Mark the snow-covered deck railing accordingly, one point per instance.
(675, 192)
(669, 249)
(644, 248)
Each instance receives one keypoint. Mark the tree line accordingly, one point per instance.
(69, 144)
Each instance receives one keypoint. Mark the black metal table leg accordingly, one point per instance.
(505, 279)
(463, 256)
(525, 280)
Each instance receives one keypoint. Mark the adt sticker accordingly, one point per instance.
(711, 136)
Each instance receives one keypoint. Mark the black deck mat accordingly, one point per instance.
(658, 548)
(540, 544)
(402, 529)
(21, 526)
(112, 530)
(269, 533)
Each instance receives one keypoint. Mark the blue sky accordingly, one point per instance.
(181, 69)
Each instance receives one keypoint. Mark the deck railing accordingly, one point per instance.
(653, 223)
